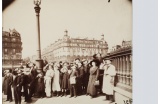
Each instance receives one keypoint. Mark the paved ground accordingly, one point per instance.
(64, 100)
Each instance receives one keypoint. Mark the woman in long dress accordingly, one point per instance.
(56, 79)
(40, 85)
(47, 79)
(94, 73)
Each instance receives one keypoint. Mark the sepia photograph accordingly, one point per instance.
(67, 52)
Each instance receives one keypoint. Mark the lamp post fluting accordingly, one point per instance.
(39, 61)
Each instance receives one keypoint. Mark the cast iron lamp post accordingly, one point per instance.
(39, 61)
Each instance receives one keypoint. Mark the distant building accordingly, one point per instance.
(33, 58)
(123, 45)
(67, 48)
(11, 49)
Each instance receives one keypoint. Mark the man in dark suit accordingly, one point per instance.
(26, 85)
(86, 75)
(31, 85)
(72, 79)
(7, 82)
(80, 78)
(17, 86)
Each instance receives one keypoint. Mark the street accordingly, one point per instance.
(64, 100)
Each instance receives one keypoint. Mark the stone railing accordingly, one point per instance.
(122, 60)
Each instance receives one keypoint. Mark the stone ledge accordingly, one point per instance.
(123, 92)
(124, 87)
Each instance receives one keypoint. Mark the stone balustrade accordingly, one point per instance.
(122, 60)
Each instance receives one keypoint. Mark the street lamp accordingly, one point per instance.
(39, 61)
(98, 47)
(83, 52)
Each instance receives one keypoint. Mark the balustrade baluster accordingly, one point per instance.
(120, 71)
(127, 70)
(123, 70)
(118, 68)
(130, 70)
(116, 64)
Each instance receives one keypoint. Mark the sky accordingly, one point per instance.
(82, 18)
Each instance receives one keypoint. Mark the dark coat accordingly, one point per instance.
(7, 82)
(19, 80)
(81, 72)
(64, 81)
(86, 74)
(40, 87)
(94, 74)
(80, 76)
(34, 72)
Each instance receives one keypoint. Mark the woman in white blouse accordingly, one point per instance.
(47, 80)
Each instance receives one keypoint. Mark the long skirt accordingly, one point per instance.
(48, 87)
(56, 84)
(91, 89)
(65, 81)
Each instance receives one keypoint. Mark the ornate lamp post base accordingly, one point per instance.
(39, 64)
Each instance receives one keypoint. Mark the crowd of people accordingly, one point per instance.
(80, 77)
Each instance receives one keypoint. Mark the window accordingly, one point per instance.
(6, 39)
(13, 39)
(18, 40)
(5, 50)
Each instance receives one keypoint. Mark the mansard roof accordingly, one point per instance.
(14, 32)
(5, 33)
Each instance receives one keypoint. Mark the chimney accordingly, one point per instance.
(102, 37)
(66, 33)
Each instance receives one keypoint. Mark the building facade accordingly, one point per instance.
(67, 48)
(11, 49)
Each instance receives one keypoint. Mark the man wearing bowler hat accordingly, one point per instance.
(17, 86)
(7, 82)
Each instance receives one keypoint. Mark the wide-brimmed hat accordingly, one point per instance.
(96, 61)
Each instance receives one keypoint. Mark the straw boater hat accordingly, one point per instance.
(108, 60)
(74, 65)
(84, 60)
(26, 70)
(19, 71)
(6, 71)
(31, 64)
(66, 63)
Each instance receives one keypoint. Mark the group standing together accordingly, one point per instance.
(61, 79)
